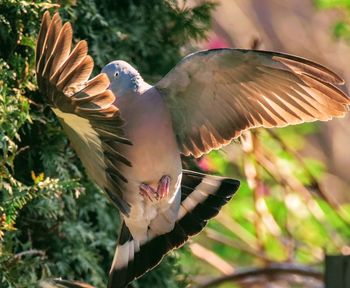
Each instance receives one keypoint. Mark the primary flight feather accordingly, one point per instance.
(129, 134)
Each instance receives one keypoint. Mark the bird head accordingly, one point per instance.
(123, 77)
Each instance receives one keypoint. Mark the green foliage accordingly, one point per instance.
(54, 221)
(341, 28)
(332, 3)
(147, 34)
(280, 213)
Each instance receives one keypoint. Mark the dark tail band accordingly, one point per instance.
(202, 197)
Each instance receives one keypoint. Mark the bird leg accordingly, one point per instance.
(150, 193)
(163, 187)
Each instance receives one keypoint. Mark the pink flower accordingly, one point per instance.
(216, 42)
(205, 164)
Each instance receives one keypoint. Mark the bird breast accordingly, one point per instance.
(154, 152)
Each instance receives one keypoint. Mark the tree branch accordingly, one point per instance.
(31, 252)
(211, 258)
(273, 269)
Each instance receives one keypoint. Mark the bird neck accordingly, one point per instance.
(137, 82)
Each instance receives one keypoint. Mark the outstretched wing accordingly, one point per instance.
(85, 107)
(214, 95)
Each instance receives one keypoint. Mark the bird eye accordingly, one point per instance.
(116, 74)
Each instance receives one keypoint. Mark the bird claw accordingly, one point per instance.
(148, 192)
(162, 191)
(163, 187)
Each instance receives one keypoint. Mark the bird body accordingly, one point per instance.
(129, 135)
(149, 128)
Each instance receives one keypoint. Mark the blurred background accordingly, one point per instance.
(285, 172)
(293, 206)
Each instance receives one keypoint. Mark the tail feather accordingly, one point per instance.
(202, 197)
(123, 261)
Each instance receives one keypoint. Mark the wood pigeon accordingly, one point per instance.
(129, 134)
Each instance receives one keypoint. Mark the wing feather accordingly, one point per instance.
(85, 108)
(214, 95)
(76, 56)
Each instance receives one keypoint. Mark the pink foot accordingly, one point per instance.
(148, 192)
(163, 187)
(162, 191)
